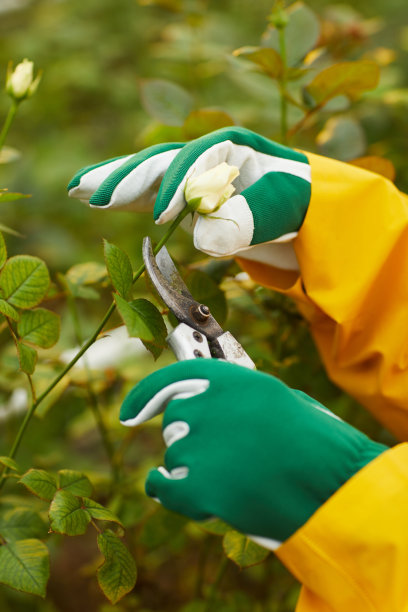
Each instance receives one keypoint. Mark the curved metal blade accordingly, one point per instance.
(173, 291)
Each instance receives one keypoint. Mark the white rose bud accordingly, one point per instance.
(208, 191)
(20, 83)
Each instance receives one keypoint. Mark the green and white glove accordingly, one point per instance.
(271, 197)
(244, 447)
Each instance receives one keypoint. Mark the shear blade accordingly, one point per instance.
(173, 291)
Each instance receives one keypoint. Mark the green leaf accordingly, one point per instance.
(349, 79)
(99, 512)
(3, 251)
(88, 273)
(301, 33)
(67, 515)
(10, 230)
(25, 566)
(201, 122)
(40, 327)
(20, 524)
(24, 281)
(267, 59)
(215, 526)
(205, 290)
(75, 482)
(117, 576)
(8, 196)
(27, 357)
(10, 463)
(40, 482)
(166, 101)
(119, 268)
(144, 321)
(242, 550)
(8, 310)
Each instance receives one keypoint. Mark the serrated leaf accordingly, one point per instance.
(25, 566)
(165, 101)
(243, 551)
(99, 512)
(20, 524)
(10, 463)
(88, 273)
(119, 268)
(40, 482)
(8, 310)
(67, 515)
(117, 576)
(24, 281)
(349, 79)
(3, 251)
(201, 122)
(40, 327)
(74, 482)
(143, 321)
(301, 33)
(27, 357)
(266, 58)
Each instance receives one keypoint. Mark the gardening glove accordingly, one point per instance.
(244, 447)
(271, 197)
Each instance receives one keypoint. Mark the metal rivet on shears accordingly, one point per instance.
(197, 336)
(198, 353)
(200, 313)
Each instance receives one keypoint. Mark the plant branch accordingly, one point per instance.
(302, 122)
(7, 123)
(82, 351)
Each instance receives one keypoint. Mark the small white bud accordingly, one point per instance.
(20, 82)
(208, 191)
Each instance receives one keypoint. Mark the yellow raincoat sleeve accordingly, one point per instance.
(352, 251)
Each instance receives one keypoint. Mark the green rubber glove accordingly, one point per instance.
(244, 447)
(272, 191)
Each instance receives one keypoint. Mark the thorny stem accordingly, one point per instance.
(82, 351)
(7, 123)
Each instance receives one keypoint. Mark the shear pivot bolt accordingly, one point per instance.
(201, 312)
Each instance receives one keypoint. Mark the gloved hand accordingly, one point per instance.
(270, 202)
(244, 447)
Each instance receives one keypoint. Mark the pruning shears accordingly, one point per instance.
(198, 335)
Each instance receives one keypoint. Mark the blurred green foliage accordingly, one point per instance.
(120, 75)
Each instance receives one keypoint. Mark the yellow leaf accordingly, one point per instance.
(265, 58)
(349, 79)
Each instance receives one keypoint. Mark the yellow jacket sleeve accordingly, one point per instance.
(352, 251)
